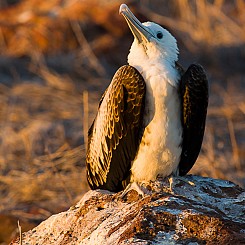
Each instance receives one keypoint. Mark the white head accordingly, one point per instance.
(151, 42)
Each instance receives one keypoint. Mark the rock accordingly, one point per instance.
(198, 211)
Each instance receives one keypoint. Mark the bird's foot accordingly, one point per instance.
(171, 181)
(138, 188)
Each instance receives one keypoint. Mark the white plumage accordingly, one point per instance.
(160, 149)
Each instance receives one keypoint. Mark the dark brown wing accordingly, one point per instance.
(194, 96)
(114, 136)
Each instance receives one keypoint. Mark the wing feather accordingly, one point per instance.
(114, 136)
(194, 96)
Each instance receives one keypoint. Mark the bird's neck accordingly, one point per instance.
(150, 65)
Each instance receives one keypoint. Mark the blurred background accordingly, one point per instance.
(56, 59)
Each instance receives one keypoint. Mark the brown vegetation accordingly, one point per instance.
(52, 52)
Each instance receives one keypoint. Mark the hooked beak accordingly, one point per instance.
(139, 31)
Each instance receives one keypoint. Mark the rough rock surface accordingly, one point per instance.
(198, 211)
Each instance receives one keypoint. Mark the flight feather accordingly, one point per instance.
(194, 102)
(114, 136)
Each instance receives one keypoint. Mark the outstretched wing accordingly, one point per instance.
(194, 96)
(114, 136)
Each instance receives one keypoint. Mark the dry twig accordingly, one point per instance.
(19, 228)
(85, 118)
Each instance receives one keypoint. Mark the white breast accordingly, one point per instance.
(160, 149)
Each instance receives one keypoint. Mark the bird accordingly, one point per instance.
(151, 119)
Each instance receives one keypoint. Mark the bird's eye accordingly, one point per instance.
(159, 35)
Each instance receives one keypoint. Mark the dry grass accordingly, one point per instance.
(43, 117)
(33, 26)
(223, 151)
(39, 155)
(214, 23)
